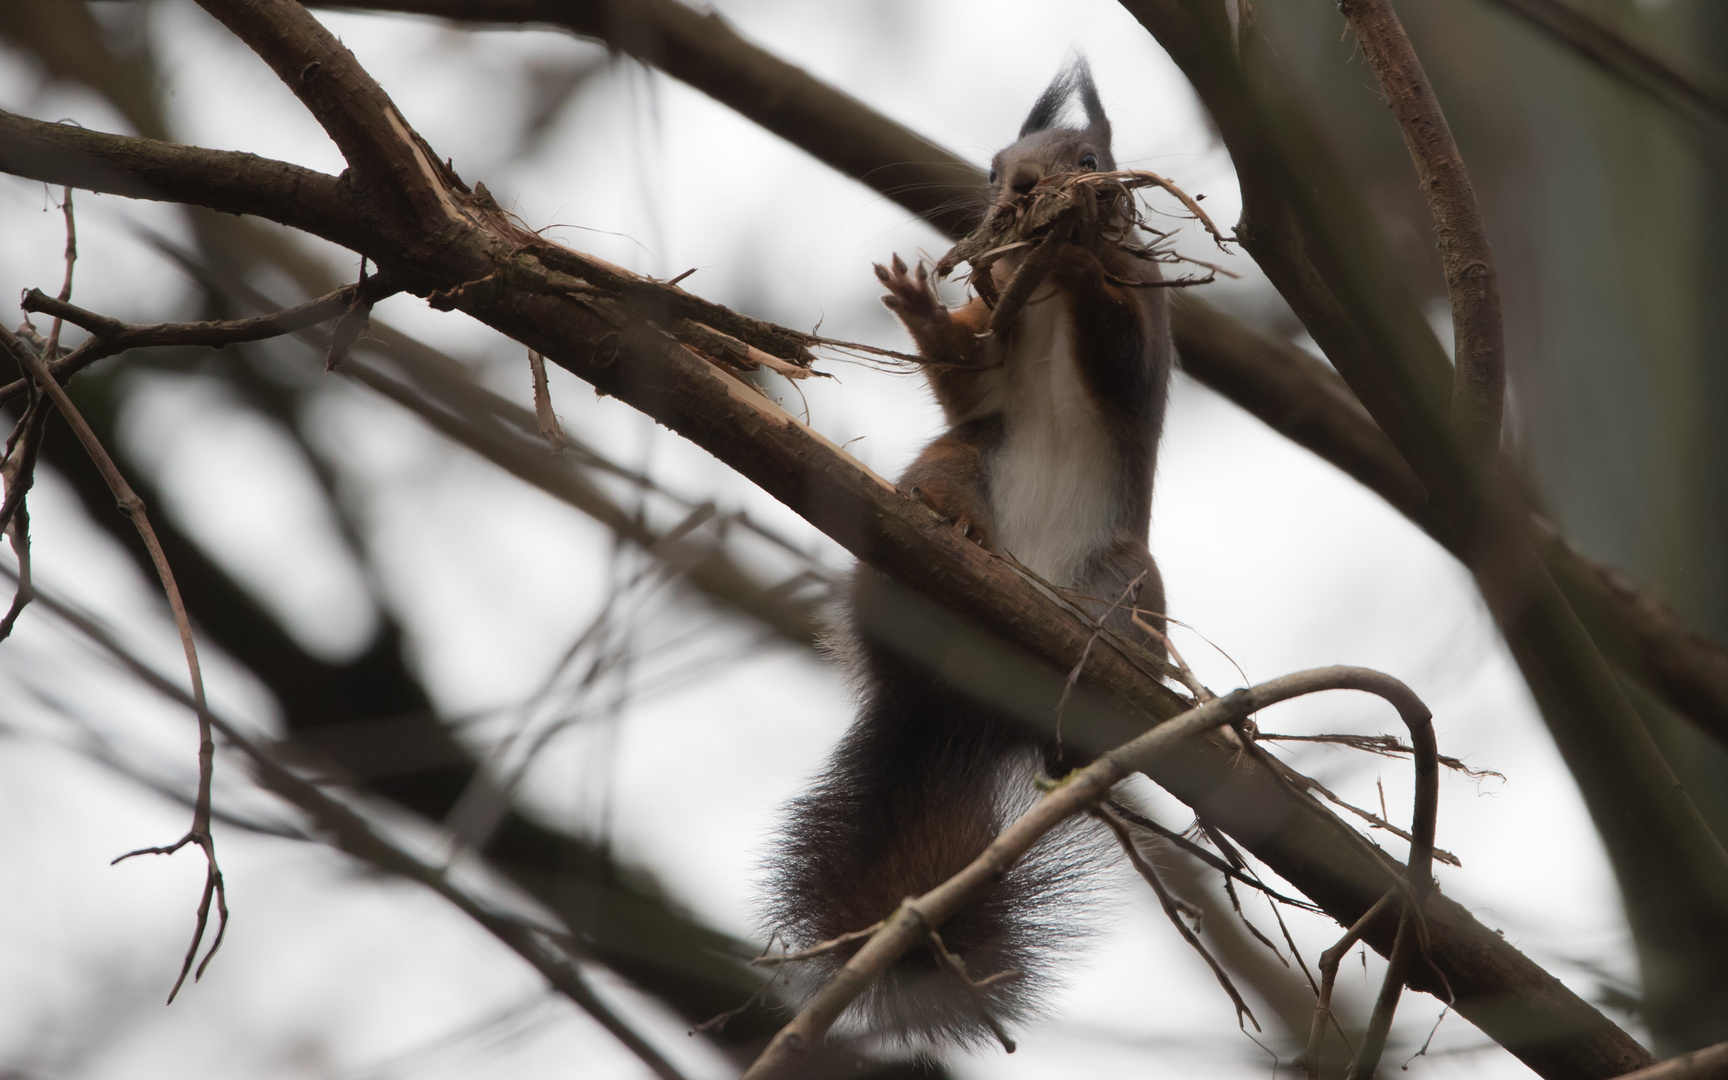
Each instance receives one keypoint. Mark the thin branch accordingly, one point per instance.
(1329, 961)
(19, 473)
(133, 507)
(974, 987)
(110, 336)
(1168, 903)
(71, 257)
(1479, 368)
(352, 833)
(1135, 817)
(1080, 791)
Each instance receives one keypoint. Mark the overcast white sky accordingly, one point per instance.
(1271, 554)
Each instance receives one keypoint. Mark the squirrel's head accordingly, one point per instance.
(1046, 147)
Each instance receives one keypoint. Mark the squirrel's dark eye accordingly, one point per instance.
(992, 175)
(1089, 161)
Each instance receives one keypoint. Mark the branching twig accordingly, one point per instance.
(1079, 792)
(348, 831)
(133, 507)
(974, 987)
(1329, 961)
(110, 336)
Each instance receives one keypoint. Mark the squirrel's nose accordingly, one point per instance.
(1024, 177)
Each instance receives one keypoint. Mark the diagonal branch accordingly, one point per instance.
(388, 161)
(1295, 394)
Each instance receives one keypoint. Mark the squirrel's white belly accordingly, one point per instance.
(1053, 482)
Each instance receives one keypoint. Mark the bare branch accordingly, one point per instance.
(111, 336)
(1479, 368)
(558, 312)
(1329, 961)
(388, 161)
(224, 180)
(1710, 1063)
(352, 833)
(1168, 903)
(133, 507)
(1080, 791)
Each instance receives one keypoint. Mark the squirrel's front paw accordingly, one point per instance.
(910, 295)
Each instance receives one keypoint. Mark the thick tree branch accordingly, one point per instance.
(1296, 395)
(388, 162)
(224, 180)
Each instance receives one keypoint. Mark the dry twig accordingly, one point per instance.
(349, 831)
(1076, 794)
(1168, 903)
(133, 507)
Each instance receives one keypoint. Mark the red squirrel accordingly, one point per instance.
(1049, 455)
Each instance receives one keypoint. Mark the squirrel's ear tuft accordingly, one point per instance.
(1073, 80)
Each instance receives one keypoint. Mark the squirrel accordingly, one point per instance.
(1048, 457)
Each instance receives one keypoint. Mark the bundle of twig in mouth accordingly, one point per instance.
(1093, 209)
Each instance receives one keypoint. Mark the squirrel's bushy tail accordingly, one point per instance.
(924, 780)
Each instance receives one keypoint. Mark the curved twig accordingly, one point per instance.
(133, 507)
(1080, 791)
